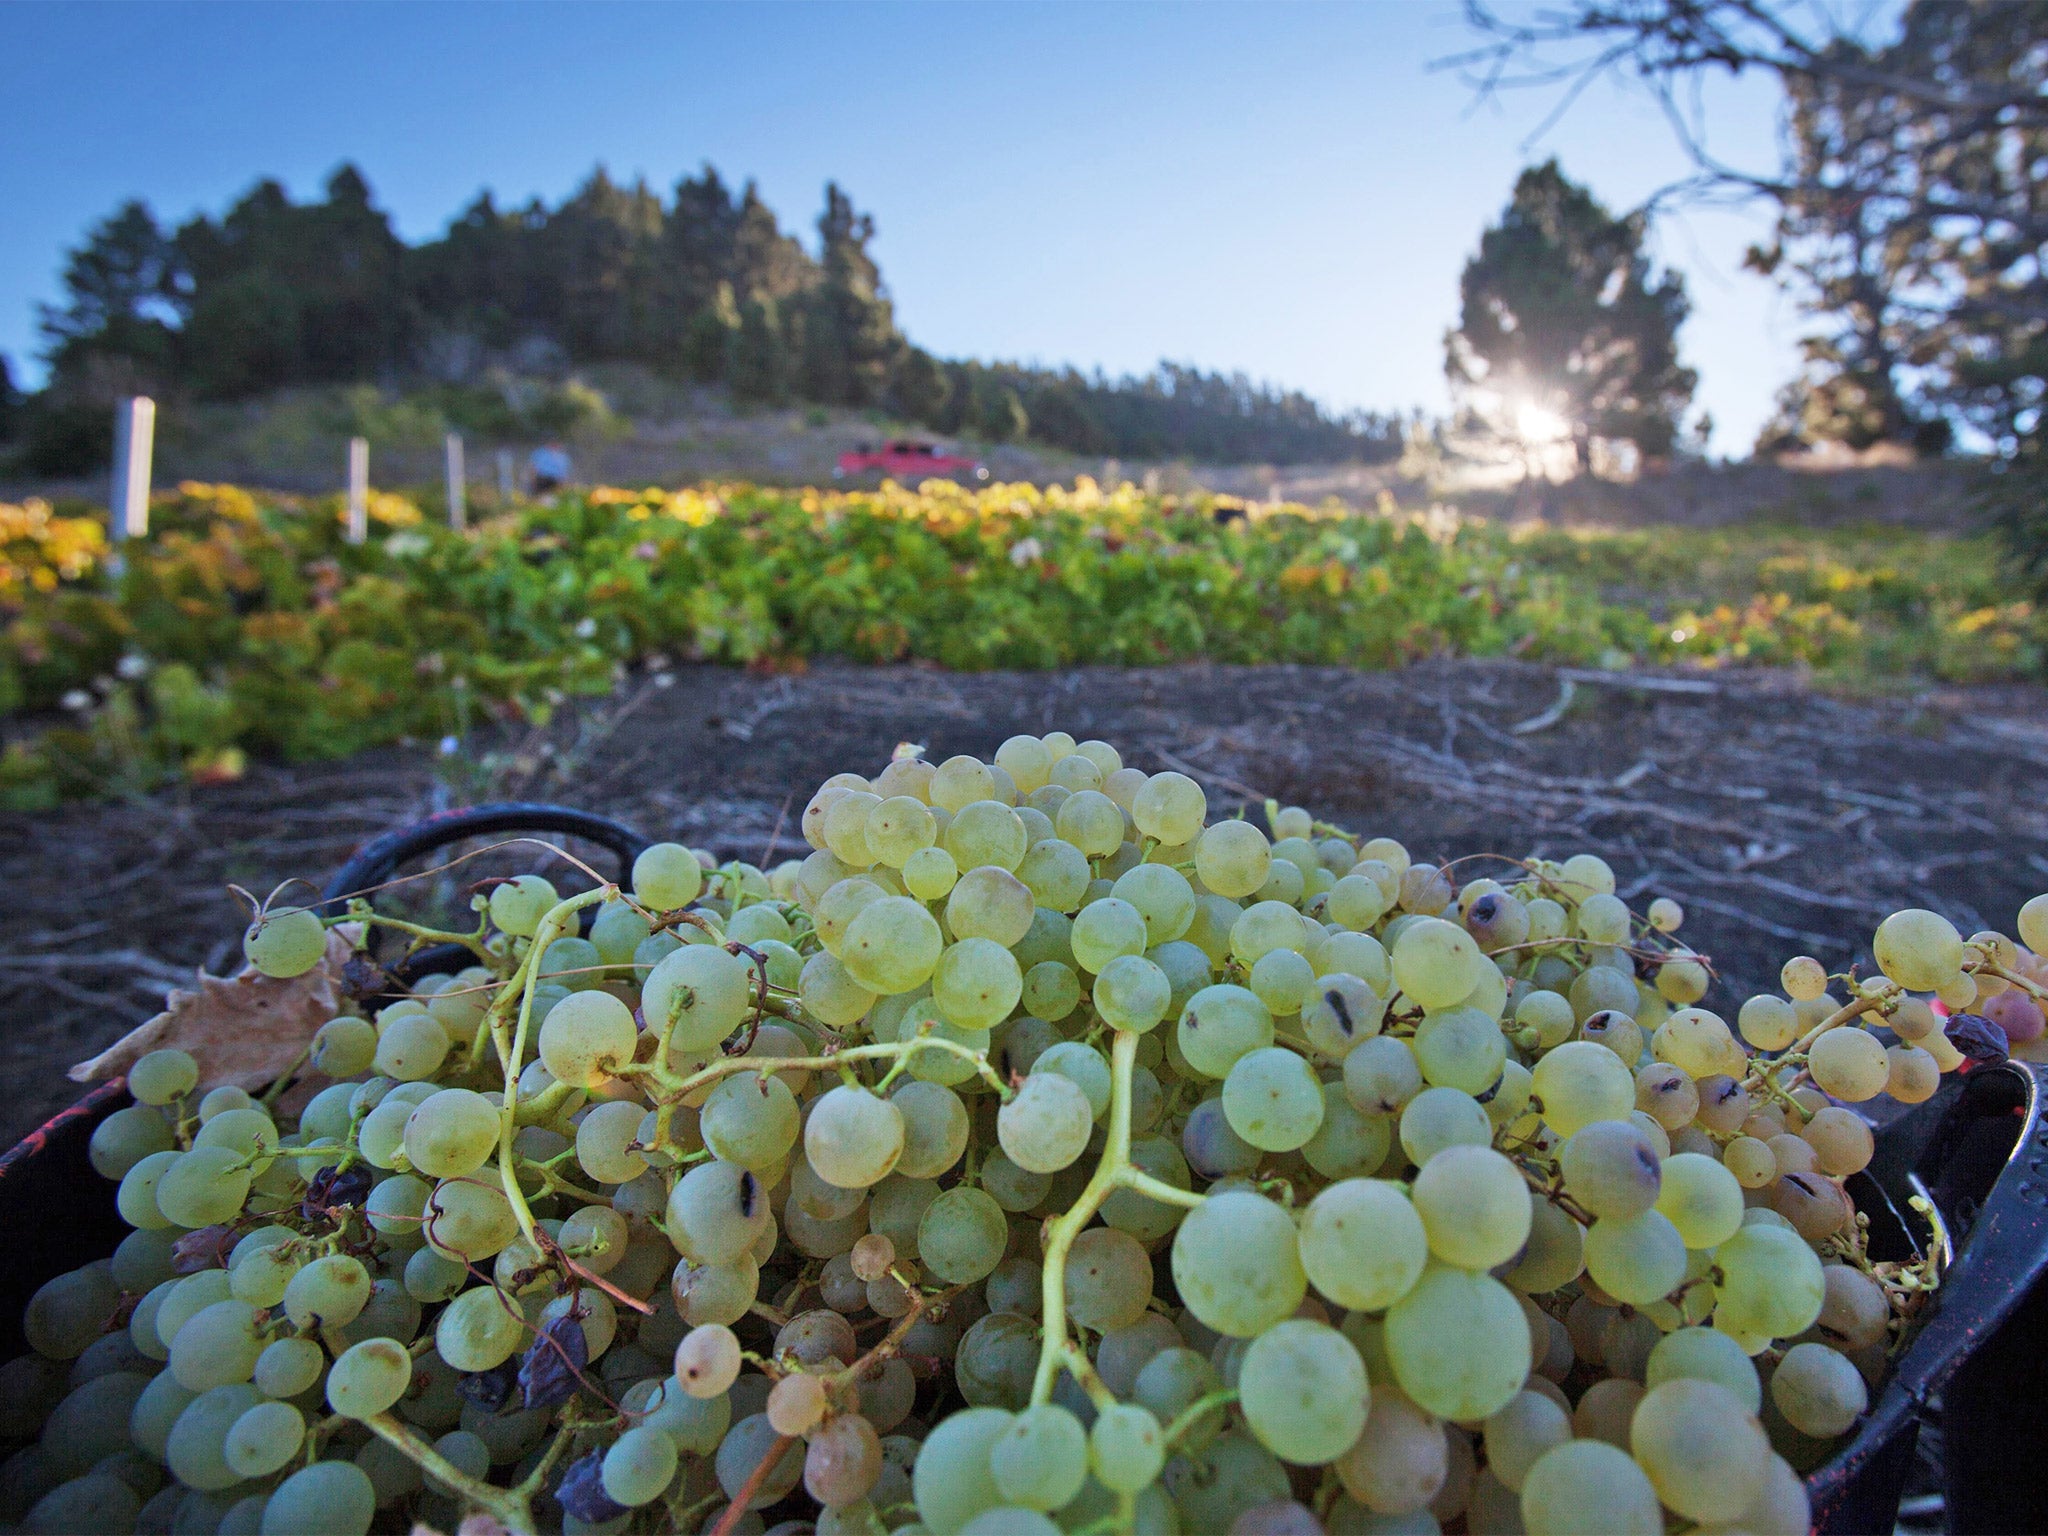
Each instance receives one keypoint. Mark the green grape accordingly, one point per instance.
(1283, 980)
(994, 1363)
(69, 1311)
(1819, 1391)
(1040, 1460)
(288, 1366)
(264, 1439)
(163, 1077)
(587, 1034)
(479, 1330)
(1235, 1473)
(217, 1346)
(1518, 1436)
(1918, 949)
(1356, 902)
(144, 1259)
(899, 827)
(951, 1480)
(1126, 1446)
(607, 1136)
(1085, 1065)
(452, 1133)
(1302, 1389)
(1705, 1454)
(1170, 808)
(699, 994)
(1232, 858)
(961, 1236)
(750, 1119)
(1131, 993)
(368, 1378)
(989, 903)
(1849, 1063)
(1474, 1206)
(469, 1219)
(831, 994)
(1401, 1461)
(1610, 1168)
(1162, 896)
(1603, 989)
(1012, 1187)
(986, 832)
(853, 1139)
(716, 1293)
(285, 941)
(1701, 1199)
(1046, 1124)
(195, 1448)
(1437, 1118)
(1580, 1082)
(1347, 1142)
(157, 1410)
(1436, 963)
(1635, 1259)
(716, 1212)
(1027, 760)
(1272, 1099)
(1554, 1255)
(1338, 1011)
(1381, 1075)
(930, 873)
(186, 1299)
(666, 876)
(1104, 929)
(1108, 1279)
(519, 904)
(99, 1501)
(1056, 873)
(1263, 927)
(1220, 1024)
(344, 1047)
(1458, 1343)
(935, 1129)
(1237, 1265)
(411, 1047)
(1770, 1287)
(1091, 821)
(1051, 992)
(203, 1186)
(976, 984)
(333, 1497)
(1589, 1485)
(1463, 1048)
(1708, 1355)
(638, 1466)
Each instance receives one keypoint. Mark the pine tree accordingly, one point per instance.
(1562, 314)
(709, 339)
(758, 369)
(850, 331)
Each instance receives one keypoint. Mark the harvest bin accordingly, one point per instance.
(1978, 1150)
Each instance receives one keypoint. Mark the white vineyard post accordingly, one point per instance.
(134, 442)
(358, 489)
(458, 512)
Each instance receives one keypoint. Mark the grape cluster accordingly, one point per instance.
(1037, 1155)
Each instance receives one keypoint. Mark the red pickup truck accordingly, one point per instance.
(908, 459)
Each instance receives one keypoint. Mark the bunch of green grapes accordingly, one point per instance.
(1038, 1154)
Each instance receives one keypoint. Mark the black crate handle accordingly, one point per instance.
(373, 863)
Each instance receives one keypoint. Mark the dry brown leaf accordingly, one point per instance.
(244, 1030)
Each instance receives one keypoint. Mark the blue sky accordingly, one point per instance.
(1284, 189)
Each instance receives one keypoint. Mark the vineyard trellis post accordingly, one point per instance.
(134, 443)
(358, 489)
(458, 512)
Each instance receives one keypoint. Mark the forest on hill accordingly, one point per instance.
(703, 286)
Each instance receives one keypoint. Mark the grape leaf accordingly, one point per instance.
(244, 1030)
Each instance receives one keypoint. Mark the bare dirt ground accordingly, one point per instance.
(1784, 820)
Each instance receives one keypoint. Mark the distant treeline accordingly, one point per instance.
(705, 287)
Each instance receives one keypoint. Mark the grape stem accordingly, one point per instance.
(1189, 1416)
(507, 1506)
(2024, 983)
(1114, 1172)
(770, 1459)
